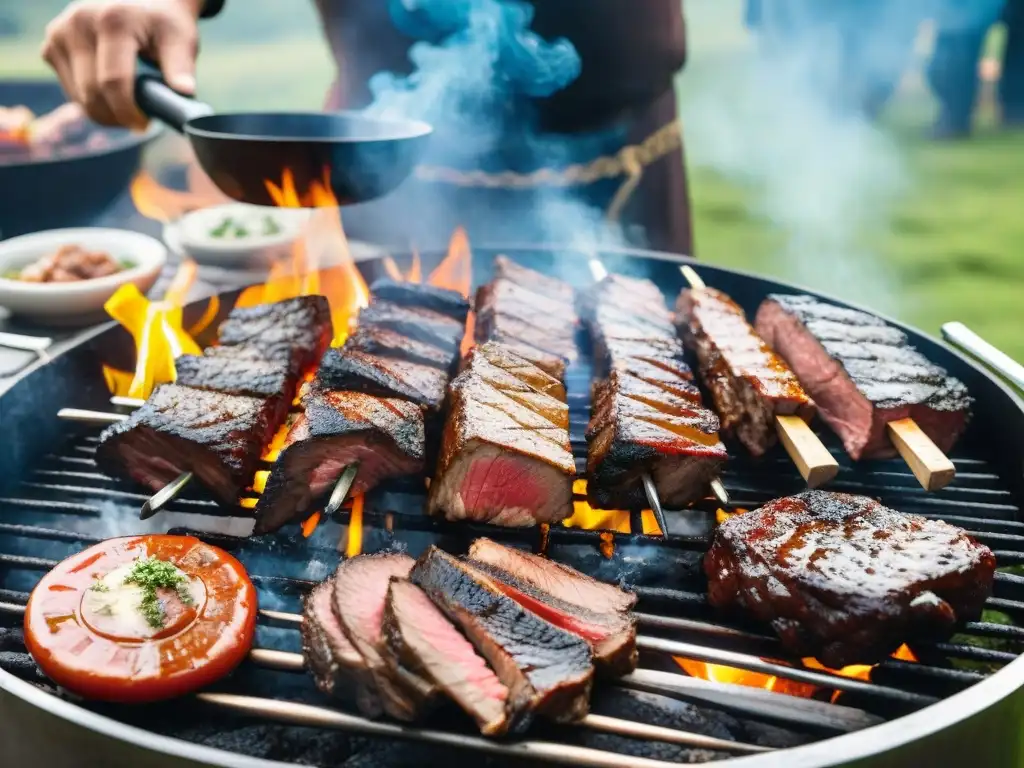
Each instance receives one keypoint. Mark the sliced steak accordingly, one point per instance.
(863, 373)
(384, 436)
(337, 667)
(217, 437)
(296, 331)
(551, 364)
(542, 666)
(566, 584)
(480, 369)
(350, 369)
(498, 466)
(506, 269)
(450, 303)
(505, 358)
(419, 637)
(360, 591)
(750, 384)
(846, 580)
(416, 323)
(387, 343)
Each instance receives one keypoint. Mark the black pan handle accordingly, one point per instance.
(157, 99)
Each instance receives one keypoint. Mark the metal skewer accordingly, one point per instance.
(165, 495)
(341, 488)
(816, 465)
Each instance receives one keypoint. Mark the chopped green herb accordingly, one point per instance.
(270, 227)
(221, 230)
(127, 264)
(11, 274)
(151, 574)
(99, 586)
(241, 232)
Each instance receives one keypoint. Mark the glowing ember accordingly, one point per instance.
(586, 517)
(354, 546)
(309, 524)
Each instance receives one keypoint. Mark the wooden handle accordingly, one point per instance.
(930, 465)
(816, 464)
(692, 277)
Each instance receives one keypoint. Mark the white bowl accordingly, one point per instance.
(80, 302)
(191, 235)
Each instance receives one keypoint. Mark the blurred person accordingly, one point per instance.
(1011, 82)
(618, 113)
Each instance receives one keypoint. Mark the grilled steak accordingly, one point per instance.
(627, 295)
(217, 437)
(384, 436)
(416, 323)
(749, 383)
(419, 637)
(551, 364)
(478, 368)
(564, 583)
(561, 292)
(350, 369)
(337, 667)
(846, 580)
(543, 666)
(549, 336)
(450, 303)
(505, 358)
(863, 373)
(387, 343)
(502, 461)
(360, 591)
(296, 331)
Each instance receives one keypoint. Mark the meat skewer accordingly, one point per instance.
(749, 382)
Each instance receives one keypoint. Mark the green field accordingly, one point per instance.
(944, 248)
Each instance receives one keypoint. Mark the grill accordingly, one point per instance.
(960, 701)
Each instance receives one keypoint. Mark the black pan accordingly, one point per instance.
(360, 157)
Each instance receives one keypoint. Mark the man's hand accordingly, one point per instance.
(93, 45)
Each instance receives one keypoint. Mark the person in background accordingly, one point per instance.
(607, 144)
(1011, 83)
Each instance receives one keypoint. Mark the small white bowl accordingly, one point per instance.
(80, 302)
(191, 235)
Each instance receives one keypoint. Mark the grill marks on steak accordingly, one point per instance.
(295, 331)
(537, 282)
(387, 343)
(505, 456)
(546, 669)
(416, 323)
(419, 636)
(750, 384)
(646, 414)
(863, 373)
(350, 369)
(441, 300)
(505, 358)
(218, 437)
(845, 579)
(384, 436)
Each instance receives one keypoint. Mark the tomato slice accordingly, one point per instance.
(72, 636)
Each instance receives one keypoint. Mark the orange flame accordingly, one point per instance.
(455, 272)
(416, 270)
(354, 545)
(586, 517)
(160, 203)
(309, 524)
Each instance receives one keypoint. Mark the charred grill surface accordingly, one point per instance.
(846, 580)
(218, 437)
(505, 455)
(295, 331)
(424, 296)
(350, 369)
(863, 373)
(546, 669)
(646, 415)
(416, 323)
(384, 436)
(750, 384)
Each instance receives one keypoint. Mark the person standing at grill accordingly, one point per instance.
(594, 122)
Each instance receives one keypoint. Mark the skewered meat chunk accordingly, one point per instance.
(384, 436)
(446, 302)
(503, 296)
(846, 580)
(750, 384)
(546, 669)
(416, 323)
(350, 369)
(216, 436)
(388, 343)
(552, 337)
(296, 331)
(537, 282)
(505, 456)
(626, 296)
(360, 591)
(863, 374)
(503, 357)
(549, 363)
(676, 443)
(419, 636)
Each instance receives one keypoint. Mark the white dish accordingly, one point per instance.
(193, 234)
(80, 302)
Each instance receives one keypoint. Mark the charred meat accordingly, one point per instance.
(405, 294)
(503, 357)
(419, 637)
(296, 331)
(350, 369)
(423, 325)
(383, 436)
(846, 580)
(360, 592)
(387, 343)
(863, 374)
(546, 669)
(217, 437)
(750, 384)
(537, 282)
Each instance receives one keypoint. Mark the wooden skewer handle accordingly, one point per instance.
(930, 465)
(817, 466)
